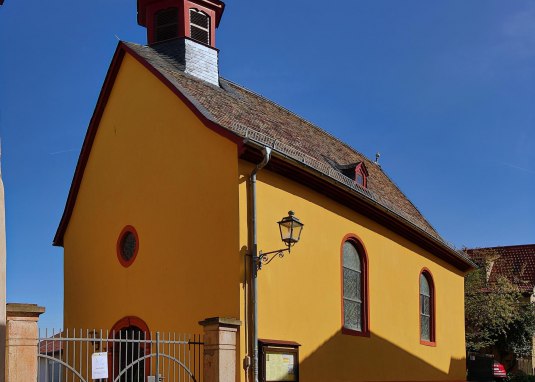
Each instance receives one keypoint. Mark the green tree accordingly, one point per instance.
(498, 316)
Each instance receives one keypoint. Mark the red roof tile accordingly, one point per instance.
(516, 262)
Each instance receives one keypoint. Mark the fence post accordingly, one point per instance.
(219, 361)
(22, 342)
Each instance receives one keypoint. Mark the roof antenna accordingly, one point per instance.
(377, 156)
(117, 37)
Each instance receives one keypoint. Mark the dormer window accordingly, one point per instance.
(199, 26)
(361, 175)
(166, 24)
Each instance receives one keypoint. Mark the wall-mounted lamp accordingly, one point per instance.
(290, 229)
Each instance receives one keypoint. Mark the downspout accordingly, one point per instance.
(254, 259)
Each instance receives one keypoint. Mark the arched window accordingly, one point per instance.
(361, 175)
(427, 308)
(199, 26)
(354, 288)
(132, 343)
(166, 24)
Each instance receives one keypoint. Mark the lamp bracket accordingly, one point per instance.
(267, 257)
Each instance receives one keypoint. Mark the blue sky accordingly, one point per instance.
(444, 90)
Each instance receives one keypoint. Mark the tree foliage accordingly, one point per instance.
(498, 316)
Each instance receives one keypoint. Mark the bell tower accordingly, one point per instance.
(184, 31)
(168, 19)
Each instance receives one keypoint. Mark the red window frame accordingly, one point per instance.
(365, 331)
(126, 263)
(433, 313)
(123, 323)
(363, 171)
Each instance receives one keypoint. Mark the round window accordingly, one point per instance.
(127, 246)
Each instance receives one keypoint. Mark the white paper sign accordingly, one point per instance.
(99, 362)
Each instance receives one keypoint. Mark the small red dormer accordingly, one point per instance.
(361, 175)
(356, 171)
(168, 19)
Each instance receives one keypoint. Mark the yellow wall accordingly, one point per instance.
(156, 167)
(300, 294)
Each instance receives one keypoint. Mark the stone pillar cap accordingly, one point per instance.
(221, 321)
(27, 310)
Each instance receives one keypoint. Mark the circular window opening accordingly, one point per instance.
(127, 246)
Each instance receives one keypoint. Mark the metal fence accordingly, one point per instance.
(124, 356)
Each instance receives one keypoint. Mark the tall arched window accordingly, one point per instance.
(427, 308)
(354, 288)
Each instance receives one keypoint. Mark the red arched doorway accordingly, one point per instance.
(132, 343)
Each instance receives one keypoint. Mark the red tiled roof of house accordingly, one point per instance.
(516, 262)
(51, 346)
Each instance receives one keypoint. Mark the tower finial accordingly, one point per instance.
(377, 156)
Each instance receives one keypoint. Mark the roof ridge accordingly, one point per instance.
(335, 138)
(237, 122)
(501, 246)
(323, 131)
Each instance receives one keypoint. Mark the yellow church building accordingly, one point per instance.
(182, 178)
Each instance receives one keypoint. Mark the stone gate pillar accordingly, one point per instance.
(220, 337)
(22, 342)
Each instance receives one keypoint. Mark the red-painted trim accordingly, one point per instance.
(427, 273)
(210, 12)
(347, 197)
(153, 9)
(204, 119)
(355, 240)
(124, 323)
(88, 142)
(126, 263)
(267, 342)
(362, 170)
(97, 116)
(285, 168)
(144, 5)
(148, 9)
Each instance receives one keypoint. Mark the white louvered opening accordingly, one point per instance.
(199, 26)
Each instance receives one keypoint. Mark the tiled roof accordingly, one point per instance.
(52, 344)
(245, 116)
(516, 262)
(241, 110)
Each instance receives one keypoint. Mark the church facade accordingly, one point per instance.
(160, 224)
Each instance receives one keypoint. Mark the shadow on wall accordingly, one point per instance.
(350, 358)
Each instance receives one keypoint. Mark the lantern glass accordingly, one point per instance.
(290, 229)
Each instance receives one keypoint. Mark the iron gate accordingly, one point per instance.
(130, 355)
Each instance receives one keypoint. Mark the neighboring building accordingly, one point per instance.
(156, 227)
(517, 264)
(2, 272)
(48, 369)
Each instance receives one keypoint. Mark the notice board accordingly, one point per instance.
(279, 361)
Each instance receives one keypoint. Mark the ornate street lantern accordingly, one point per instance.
(290, 229)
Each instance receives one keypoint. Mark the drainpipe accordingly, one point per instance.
(254, 258)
